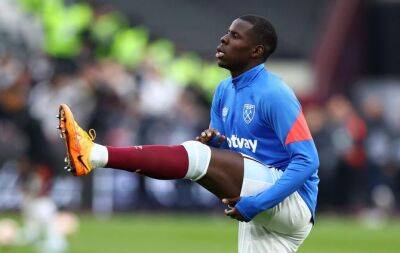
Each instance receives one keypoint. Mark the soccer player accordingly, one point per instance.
(275, 197)
(255, 113)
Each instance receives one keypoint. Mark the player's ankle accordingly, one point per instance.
(98, 156)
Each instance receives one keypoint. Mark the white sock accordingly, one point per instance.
(98, 156)
(199, 158)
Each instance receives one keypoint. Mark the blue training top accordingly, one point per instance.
(262, 118)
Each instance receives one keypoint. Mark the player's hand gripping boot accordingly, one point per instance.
(78, 142)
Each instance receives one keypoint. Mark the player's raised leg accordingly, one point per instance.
(219, 171)
(225, 173)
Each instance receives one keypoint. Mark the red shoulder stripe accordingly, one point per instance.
(299, 131)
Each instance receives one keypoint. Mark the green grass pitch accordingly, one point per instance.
(198, 234)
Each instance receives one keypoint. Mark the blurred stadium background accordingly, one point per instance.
(142, 72)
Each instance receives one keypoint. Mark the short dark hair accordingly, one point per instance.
(264, 33)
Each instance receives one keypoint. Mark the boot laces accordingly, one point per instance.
(92, 134)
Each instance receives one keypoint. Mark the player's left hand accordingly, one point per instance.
(232, 211)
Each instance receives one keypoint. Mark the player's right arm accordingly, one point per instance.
(211, 137)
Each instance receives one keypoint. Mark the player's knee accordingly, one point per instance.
(199, 159)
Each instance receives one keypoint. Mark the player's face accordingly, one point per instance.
(235, 50)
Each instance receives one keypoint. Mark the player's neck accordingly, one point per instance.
(239, 71)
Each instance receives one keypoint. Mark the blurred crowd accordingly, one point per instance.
(359, 150)
(359, 154)
(125, 105)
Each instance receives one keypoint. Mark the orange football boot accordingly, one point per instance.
(78, 142)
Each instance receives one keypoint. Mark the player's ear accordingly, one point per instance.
(258, 51)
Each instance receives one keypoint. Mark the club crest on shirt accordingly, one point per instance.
(225, 111)
(248, 112)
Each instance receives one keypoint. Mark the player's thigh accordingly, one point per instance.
(224, 175)
(255, 238)
(289, 216)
